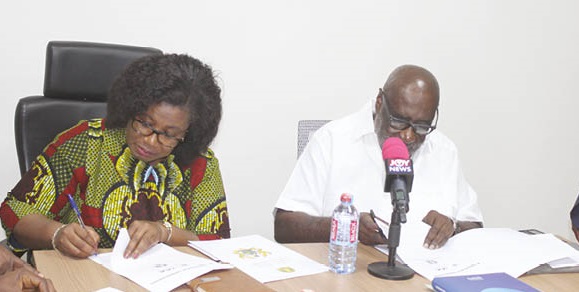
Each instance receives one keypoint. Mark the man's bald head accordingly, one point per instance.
(409, 100)
(406, 76)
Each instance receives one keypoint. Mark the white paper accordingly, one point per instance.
(564, 263)
(108, 289)
(478, 251)
(262, 259)
(160, 268)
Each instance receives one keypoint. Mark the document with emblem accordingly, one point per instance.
(160, 268)
(260, 258)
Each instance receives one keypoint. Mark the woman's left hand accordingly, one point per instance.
(144, 235)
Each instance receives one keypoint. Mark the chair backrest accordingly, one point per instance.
(305, 130)
(77, 78)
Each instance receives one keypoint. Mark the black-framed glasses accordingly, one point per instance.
(164, 138)
(400, 124)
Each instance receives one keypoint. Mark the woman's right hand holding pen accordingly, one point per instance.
(76, 241)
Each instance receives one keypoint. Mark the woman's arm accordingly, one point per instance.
(38, 232)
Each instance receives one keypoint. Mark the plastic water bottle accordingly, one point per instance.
(344, 236)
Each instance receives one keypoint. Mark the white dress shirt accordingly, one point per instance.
(344, 157)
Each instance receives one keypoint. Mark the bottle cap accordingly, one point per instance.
(345, 197)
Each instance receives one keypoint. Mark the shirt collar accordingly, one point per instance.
(166, 174)
(364, 120)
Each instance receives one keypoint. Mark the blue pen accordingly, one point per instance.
(76, 211)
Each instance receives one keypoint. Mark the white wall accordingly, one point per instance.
(506, 68)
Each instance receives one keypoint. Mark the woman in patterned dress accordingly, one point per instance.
(146, 167)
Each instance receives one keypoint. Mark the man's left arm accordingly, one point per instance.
(464, 216)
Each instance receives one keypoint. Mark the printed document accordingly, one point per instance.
(161, 268)
(260, 258)
(479, 251)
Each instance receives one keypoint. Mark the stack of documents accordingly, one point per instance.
(161, 268)
(480, 251)
(260, 258)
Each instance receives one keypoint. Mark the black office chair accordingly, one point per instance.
(77, 79)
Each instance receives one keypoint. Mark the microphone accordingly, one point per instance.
(399, 174)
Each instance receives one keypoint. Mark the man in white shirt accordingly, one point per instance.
(344, 156)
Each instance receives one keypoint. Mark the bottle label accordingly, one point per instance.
(353, 229)
(352, 226)
(334, 231)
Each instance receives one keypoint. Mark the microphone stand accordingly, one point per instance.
(389, 270)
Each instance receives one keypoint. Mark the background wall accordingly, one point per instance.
(506, 68)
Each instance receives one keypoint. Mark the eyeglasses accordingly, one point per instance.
(165, 139)
(399, 124)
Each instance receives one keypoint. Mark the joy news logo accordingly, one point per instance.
(400, 166)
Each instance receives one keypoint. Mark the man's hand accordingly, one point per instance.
(10, 262)
(73, 240)
(369, 231)
(442, 228)
(144, 235)
(22, 279)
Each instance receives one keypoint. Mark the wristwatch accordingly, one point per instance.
(455, 226)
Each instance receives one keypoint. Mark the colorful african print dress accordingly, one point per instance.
(113, 189)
